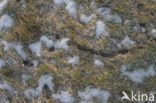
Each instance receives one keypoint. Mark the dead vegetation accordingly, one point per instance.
(32, 22)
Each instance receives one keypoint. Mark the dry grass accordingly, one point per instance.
(31, 23)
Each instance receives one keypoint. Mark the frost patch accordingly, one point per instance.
(2, 63)
(101, 29)
(106, 13)
(6, 86)
(7, 45)
(126, 21)
(36, 48)
(23, 4)
(31, 93)
(89, 94)
(64, 97)
(35, 63)
(70, 6)
(154, 33)
(44, 80)
(92, 5)
(74, 61)
(138, 75)
(59, 2)
(85, 19)
(49, 43)
(126, 42)
(25, 78)
(98, 62)
(3, 5)
(3, 99)
(62, 44)
(5, 22)
(18, 48)
(20, 51)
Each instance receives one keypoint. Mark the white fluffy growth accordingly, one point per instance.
(154, 33)
(64, 97)
(18, 48)
(62, 44)
(3, 5)
(89, 94)
(92, 5)
(6, 86)
(23, 3)
(36, 48)
(2, 63)
(6, 22)
(86, 19)
(98, 62)
(25, 78)
(20, 51)
(49, 43)
(101, 29)
(58, 2)
(126, 42)
(35, 63)
(126, 21)
(35, 92)
(71, 8)
(45, 80)
(7, 45)
(106, 13)
(139, 75)
(31, 93)
(73, 60)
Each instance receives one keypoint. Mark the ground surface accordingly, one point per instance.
(76, 51)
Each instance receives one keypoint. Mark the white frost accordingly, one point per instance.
(5, 22)
(89, 94)
(92, 5)
(35, 63)
(73, 60)
(106, 13)
(49, 43)
(18, 48)
(2, 63)
(36, 48)
(59, 2)
(45, 80)
(25, 78)
(7, 45)
(98, 62)
(71, 8)
(126, 42)
(20, 51)
(35, 92)
(101, 29)
(6, 86)
(23, 3)
(62, 44)
(3, 5)
(139, 75)
(86, 19)
(31, 93)
(64, 97)
(154, 33)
